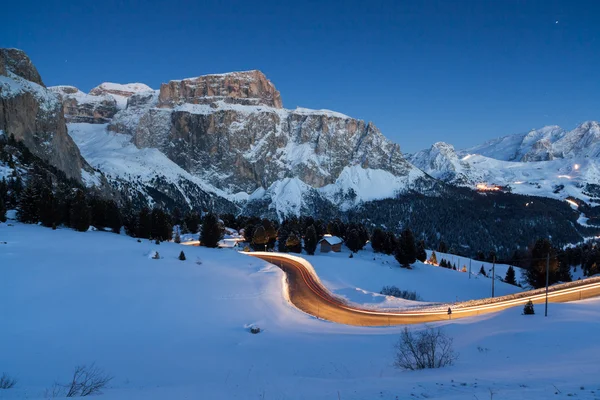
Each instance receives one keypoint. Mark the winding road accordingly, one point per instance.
(308, 294)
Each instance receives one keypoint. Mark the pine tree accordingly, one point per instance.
(249, 232)
(80, 215)
(271, 232)
(406, 252)
(161, 226)
(2, 210)
(293, 243)
(144, 223)
(184, 228)
(564, 272)
(211, 231)
(176, 216)
(353, 241)
(442, 247)
(114, 217)
(433, 258)
(182, 256)
(536, 273)
(192, 221)
(282, 237)
(310, 240)
(378, 240)
(421, 254)
(27, 208)
(482, 271)
(391, 243)
(510, 276)
(260, 239)
(48, 207)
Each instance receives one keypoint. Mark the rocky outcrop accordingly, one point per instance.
(245, 88)
(540, 151)
(81, 107)
(34, 115)
(120, 92)
(17, 62)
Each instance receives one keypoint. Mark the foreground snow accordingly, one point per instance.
(177, 329)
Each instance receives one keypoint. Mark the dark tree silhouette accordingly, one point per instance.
(536, 273)
(406, 250)
(421, 253)
(293, 243)
(353, 242)
(260, 239)
(211, 231)
(80, 215)
(510, 276)
(310, 240)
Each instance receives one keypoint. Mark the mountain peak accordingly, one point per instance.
(244, 87)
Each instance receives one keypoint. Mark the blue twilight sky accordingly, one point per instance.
(422, 71)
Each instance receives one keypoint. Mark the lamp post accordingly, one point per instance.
(547, 279)
(493, 274)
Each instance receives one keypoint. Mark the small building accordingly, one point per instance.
(331, 243)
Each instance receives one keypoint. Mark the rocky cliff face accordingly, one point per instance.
(231, 130)
(34, 115)
(246, 88)
(81, 107)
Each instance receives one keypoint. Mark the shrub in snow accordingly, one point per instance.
(86, 381)
(482, 271)
(255, 329)
(351, 255)
(156, 256)
(402, 294)
(6, 382)
(156, 241)
(430, 348)
(182, 256)
(528, 308)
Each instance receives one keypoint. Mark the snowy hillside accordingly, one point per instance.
(180, 329)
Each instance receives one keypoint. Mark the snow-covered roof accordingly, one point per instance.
(227, 243)
(332, 240)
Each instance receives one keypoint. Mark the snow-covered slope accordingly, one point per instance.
(125, 165)
(170, 329)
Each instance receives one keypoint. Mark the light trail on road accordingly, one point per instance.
(308, 294)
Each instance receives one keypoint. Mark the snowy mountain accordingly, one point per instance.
(229, 135)
(549, 162)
